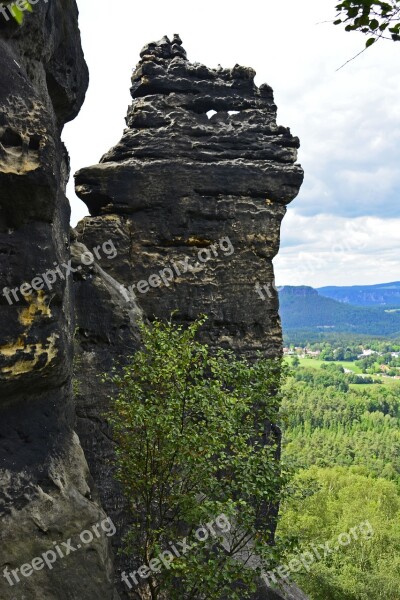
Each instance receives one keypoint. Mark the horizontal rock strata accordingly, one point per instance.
(183, 179)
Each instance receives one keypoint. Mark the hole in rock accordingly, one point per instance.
(34, 142)
(211, 113)
(233, 112)
(11, 138)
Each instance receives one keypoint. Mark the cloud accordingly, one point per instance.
(330, 250)
(350, 134)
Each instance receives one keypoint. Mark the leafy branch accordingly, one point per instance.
(376, 19)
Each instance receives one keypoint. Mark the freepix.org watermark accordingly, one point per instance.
(316, 553)
(48, 558)
(265, 290)
(180, 267)
(20, 5)
(213, 529)
(49, 278)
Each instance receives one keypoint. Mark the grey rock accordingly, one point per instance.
(106, 335)
(181, 181)
(46, 491)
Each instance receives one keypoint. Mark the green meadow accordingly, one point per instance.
(315, 363)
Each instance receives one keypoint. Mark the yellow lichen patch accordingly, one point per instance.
(27, 356)
(11, 349)
(193, 241)
(18, 161)
(268, 202)
(37, 307)
(116, 218)
(47, 348)
(259, 238)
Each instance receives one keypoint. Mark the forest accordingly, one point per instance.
(341, 447)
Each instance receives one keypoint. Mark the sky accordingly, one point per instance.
(344, 227)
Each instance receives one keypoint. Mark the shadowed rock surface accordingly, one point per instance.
(193, 203)
(106, 331)
(46, 491)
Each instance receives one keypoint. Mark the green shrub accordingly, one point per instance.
(195, 439)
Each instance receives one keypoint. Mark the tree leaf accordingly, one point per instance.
(17, 14)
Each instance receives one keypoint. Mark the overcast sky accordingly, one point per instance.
(344, 227)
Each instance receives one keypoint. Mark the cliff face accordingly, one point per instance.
(192, 202)
(45, 486)
(199, 198)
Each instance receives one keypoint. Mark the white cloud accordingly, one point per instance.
(330, 250)
(348, 121)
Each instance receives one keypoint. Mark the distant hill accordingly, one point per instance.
(303, 308)
(382, 294)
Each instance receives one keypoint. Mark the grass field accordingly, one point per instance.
(364, 386)
(385, 380)
(314, 363)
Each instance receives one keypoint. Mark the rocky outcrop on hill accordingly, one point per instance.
(192, 201)
(47, 496)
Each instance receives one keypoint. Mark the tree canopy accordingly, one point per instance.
(343, 442)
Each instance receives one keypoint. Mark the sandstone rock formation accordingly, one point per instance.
(182, 180)
(46, 491)
(193, 202)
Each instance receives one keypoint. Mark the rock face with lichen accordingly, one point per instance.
(46, 492)
(192, 196)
